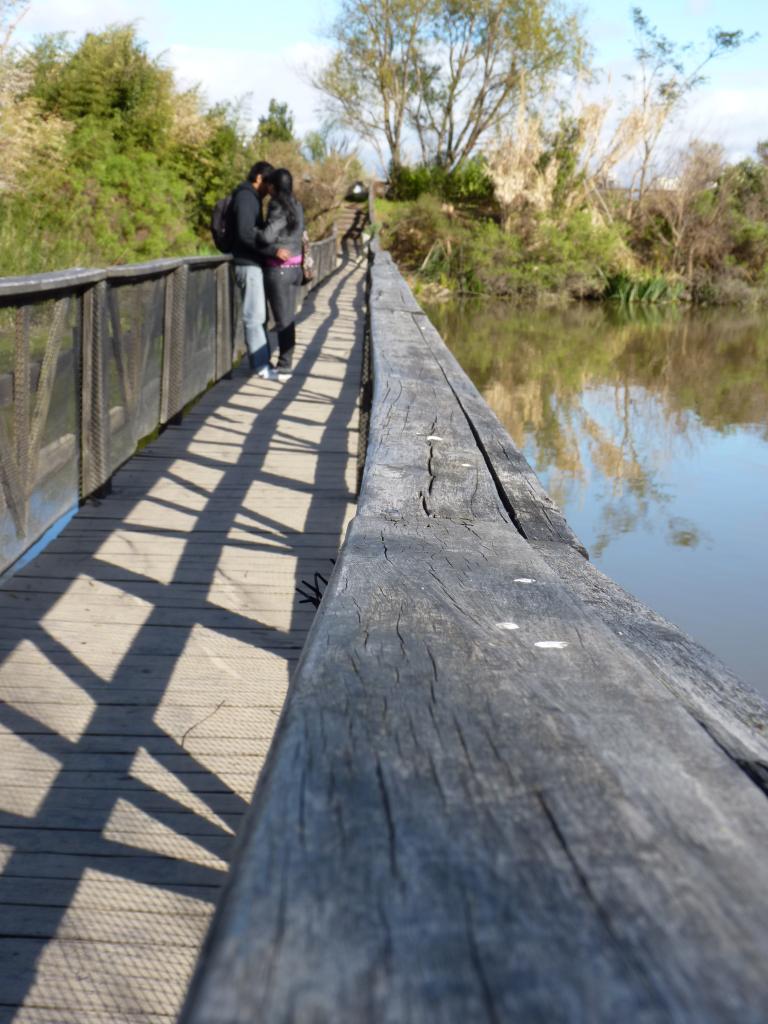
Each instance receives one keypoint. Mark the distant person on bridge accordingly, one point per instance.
(244, 215)
(281, 238)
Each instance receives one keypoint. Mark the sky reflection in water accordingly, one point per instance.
(650, 430)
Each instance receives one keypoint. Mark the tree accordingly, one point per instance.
(521, 179)
(746, 186)
(560, 170)
(482, 53)
(323, 142)
(110, 78)
(277, 125)
(368, 80)
(28, 139)
(450, 69)
(667, 73)
(688, 223)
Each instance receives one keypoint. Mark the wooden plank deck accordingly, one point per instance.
(144, 660)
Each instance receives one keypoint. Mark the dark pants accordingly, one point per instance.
(282, 286)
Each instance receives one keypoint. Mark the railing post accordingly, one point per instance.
(372, 201)
(223, 321)
(94, 429)
(171, 402)
(22, 401)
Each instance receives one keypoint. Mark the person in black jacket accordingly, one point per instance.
(281, 239)
(245, 213)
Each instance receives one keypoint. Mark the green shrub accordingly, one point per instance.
(629, 288)
(468, 183)
(475, 256)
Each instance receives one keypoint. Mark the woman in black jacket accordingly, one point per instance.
(282, 232)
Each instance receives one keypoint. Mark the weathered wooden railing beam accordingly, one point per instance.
(483, 803)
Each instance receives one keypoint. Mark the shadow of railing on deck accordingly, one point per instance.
(107, 758)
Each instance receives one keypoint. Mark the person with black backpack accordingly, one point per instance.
(241, 216)
(283, 235)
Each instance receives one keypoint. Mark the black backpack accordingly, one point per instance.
(221, 227)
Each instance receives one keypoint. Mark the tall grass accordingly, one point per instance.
(628, 289)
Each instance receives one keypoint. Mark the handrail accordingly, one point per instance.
(501, 789)
(91, 361)
(34, 285)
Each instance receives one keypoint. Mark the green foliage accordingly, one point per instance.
(113, 163)
(139, 163)
(468, 183)
(110, 78)
(111, 207)
(746, 184)
(138, 156)
(315, 146)
(564, 149)
(675, 69)
(277, 125)
(474, 256)
(211, 168)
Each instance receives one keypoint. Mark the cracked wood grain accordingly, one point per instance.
(485, 802)
(606, 853)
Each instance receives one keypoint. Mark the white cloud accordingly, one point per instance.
(228, 73)
(733, 117)
(700, 8)
(79, 16)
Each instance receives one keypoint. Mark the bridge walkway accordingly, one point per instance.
(144, 660)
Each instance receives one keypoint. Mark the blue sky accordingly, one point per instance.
(231, 51)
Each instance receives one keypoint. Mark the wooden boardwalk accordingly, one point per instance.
(144, 660)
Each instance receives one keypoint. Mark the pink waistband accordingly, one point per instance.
(292, 261)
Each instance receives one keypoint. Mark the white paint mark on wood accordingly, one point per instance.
(523, 579)
(507, 625)
(553, 644)
(434, 437)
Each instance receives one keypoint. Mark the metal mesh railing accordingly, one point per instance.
(91, 361)
(133, 353)
(38, 417)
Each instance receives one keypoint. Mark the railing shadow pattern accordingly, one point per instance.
(143, 668)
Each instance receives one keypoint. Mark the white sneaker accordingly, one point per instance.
(267, 373)
(284, 375)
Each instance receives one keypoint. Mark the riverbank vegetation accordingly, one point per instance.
(523, 189)
(105, 159)
(701, 237)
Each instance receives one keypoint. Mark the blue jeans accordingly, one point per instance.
(250, 281)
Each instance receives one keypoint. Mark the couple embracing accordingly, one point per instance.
(267, 255)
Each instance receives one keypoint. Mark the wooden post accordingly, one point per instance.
(171, 401)
(94, 423)
(372, 201)
(223, 321)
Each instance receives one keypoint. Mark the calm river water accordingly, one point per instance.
(650, 430)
